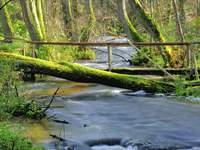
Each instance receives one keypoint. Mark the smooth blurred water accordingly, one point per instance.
(119, 58)
(101, 112)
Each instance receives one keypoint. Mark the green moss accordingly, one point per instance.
(151, 26)
(76, 72)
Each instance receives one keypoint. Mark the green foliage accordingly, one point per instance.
(193, 30)
(181, 88)
(194, 91)
(10, 102)
(13, 106)
(10, 139)
(11, 47)
(140, 59)
(86, 54)
(20, 28)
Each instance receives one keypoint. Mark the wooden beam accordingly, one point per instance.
(109, 58)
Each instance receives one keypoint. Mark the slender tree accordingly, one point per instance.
(178, 21)
(86, 31)
(198, 7)
(6, 23)
(126, 22)
(68, 17)
(182, 15)
(169, 12)
(144, 19)
(33, 17)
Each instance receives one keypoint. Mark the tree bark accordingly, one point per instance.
(178, 21)
(181, 6)
(33, 18)
(167, 54)
(86, 31)
(198, 7)
(126, 22)
(68, 17)
(6, 23)
(78, 73)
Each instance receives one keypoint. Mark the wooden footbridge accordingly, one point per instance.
(158, 70)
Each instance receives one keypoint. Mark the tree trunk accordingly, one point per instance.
(68, 17)
(33, 17)
(86, 31)
(169, 12)
(75, 72)
(198, 7)
(6, 23)
(167, 54)
(178, 22)
(126, 22)
(182, 16)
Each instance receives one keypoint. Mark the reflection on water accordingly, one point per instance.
(64, 91)
(37, 131)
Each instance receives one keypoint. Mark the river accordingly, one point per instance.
(98, 112)
(107, 118)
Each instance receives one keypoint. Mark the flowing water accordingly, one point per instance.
(108, 118)
(97, 112)
(120, 54)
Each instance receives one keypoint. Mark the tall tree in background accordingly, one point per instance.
(178, 21)
(182, 15)
(6, 23)
(198, 7)
(144, 19)
(68, 17)
(169, 12)
(33, 17)
(86, 31)
(126, 22)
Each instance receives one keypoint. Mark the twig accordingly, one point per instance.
(16, 91)
(61, 121)
(155, 64)
(56, 137)
(5, 4)
(51, 101)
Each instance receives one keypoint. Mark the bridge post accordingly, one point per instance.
(192, 62)
(109, 57)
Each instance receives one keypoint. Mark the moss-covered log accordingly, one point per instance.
(75, 72)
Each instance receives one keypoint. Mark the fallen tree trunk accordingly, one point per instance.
(152, 71)
(78, 73)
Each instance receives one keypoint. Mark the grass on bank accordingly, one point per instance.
(12, 106)
(12, 139)
(50, 52)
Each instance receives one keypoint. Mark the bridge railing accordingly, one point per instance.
(191, 60)
(191, 57)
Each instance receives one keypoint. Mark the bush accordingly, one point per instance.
(139, 59)
(10, 102)
(10, 139)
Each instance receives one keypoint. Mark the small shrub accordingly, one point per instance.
(140, 59)
(87, 54)
(10, 139)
